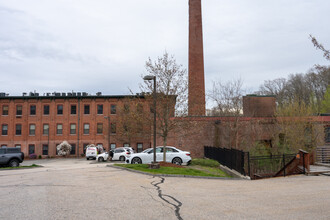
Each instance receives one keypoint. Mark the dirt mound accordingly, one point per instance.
(165, 164)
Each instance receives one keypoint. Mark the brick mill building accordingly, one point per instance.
(38, 124)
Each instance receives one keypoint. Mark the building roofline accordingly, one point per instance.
(74, 97)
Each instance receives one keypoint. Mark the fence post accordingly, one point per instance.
(242, 163)
(304, 162)
(248, 153)
(284, 164)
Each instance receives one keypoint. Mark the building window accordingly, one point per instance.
(33, 109)
(112, 146)
(72, 128)
(86, 109)
(31, 149)
(18, 129)
(60, 109)
(113, 128)
(99, 128)
(99, 109)
(113, 109)
(19, 110)
(126, 145)
(73, 110)
(45, 129)
(73, 149)
(86, 128)
(59, 129)
(32, 129)
(327, 135)
(139, 147)
(17, 146)
(44, 149)
(5, 110)
(46, 109)
(4, 130)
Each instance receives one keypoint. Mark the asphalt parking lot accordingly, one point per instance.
(80, 189)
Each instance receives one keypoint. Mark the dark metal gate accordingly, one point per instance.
(231, 158)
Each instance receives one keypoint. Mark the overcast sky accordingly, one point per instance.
(102, 45)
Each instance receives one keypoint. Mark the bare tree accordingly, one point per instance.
(306, 88)
(274, 87)
(172, 87)
(134, 120)
(228, 99)
(297, 129)
(326, 53)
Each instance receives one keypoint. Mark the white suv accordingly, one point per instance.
(121, 153)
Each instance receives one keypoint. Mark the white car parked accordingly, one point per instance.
(173, 155)
(121, 153)
(102, 157)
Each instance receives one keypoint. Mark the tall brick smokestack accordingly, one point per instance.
(196, 99)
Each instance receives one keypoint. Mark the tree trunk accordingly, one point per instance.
(164, 149)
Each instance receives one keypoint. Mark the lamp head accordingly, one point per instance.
(149, 77)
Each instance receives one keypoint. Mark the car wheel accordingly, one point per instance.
(14, 163)
(177, 161)
(101, 159)
(136, 160)
(122, 158)
(87, 158)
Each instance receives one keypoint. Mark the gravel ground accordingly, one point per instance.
(80, 189)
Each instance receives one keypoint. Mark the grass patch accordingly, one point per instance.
(171, 170)
(20, 167)
(205, 162)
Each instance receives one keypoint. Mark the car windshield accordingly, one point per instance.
(146, 150)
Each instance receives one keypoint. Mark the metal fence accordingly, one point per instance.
(268, 166)
(231, 158)
(253, 166)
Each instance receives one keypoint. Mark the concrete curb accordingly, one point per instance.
(24, 168)
(172, 175)
(233, 172)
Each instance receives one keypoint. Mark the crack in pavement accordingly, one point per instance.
(164, 196)
(152, 197)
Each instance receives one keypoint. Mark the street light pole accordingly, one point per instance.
(150, 77)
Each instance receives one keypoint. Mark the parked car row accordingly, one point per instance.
(127, 154)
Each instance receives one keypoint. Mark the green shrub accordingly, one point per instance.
(39, 157)
(205, 162)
